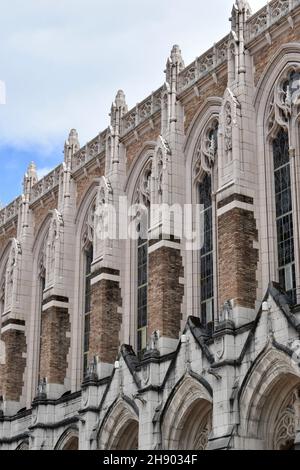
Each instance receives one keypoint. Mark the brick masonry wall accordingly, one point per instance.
(165, 293)
(262, 58)
(238, 258)
(193, 106)
(54, 344)
(105, 321)
(41, 212)
(11, 373)
(133, 149)
(83, 184)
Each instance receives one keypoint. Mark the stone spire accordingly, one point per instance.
(118, 109)
(241, 11)
(72, 145)
(175, 61)
(30, 177)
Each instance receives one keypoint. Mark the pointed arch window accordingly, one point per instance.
(41, 288)
(143, 199)
(88, 253)
(142, 303)
(206, 253)
(2, 293)
(284, 214)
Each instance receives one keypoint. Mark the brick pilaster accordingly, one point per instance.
(237, 255)
(54, 344)
(165, 292)
(13, 362)
(105, 319)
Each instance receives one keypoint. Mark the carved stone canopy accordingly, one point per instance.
(208, 149)
(284, 106)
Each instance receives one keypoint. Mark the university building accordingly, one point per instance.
(146, 342)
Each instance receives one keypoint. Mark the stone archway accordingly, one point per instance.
(187, 420)
(270, 402)
(72, 444)
(120, 428)
(69, 440)
(23, 446)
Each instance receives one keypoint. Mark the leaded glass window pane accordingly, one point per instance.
(142, 292)
(284, 215)
(87, 306)
(206, 253)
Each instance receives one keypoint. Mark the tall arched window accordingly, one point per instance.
(142, 287)
(87, 305)
(2, 292)
(284, 214)
(143, 199)
(206, 253)
(41, 288)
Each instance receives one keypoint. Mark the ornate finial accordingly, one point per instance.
(174, 61)
(32, 173)
(41, 389)
(120, 101)
(243, 6)
(73, 141)
(118, 109)
(176, 57)
(92, 370)
(30, 177)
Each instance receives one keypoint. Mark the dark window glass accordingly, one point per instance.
(206, 254)
(284, 215)
(42, 288)
(87, 306)
(142, 295)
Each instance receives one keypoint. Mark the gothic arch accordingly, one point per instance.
(187, 419)
(120, 428)
(69, 440)
(137, 167)
(83, 238)
(266, 397)
(210, 108)
(23, 446)
(288, 55)
(193, 150)
(38, 254)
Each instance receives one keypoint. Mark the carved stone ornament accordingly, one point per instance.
(104, 204)
(208, 150)
(53, 240)
(160, 167)
(89, 226)
(2, 290)
(285, 433)
(11, 271)
(284, 107)
(220, 347)
(142, 193)
(202, 437)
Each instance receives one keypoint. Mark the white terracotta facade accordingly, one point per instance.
(232, 384)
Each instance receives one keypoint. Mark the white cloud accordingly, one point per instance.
(64, 60)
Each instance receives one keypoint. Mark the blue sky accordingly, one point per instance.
(63, 61)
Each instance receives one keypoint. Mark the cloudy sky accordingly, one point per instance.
(63, 61)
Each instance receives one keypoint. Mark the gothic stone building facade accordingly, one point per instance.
(114, 343)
